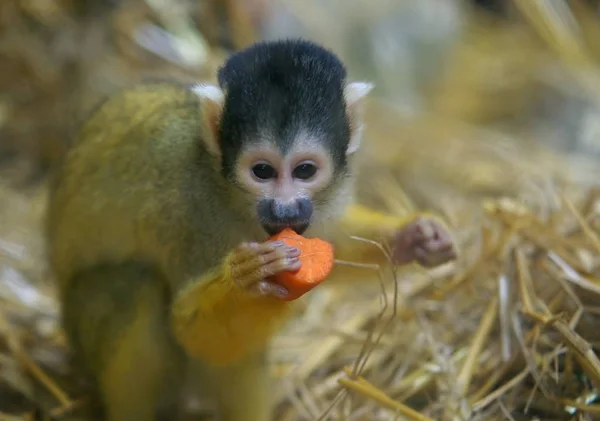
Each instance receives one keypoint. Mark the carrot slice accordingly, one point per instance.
(316, 256)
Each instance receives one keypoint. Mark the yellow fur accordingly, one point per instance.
(215, 321)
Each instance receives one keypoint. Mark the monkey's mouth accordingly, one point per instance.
(273, 229)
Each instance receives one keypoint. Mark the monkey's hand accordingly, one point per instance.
(252, 264)
(420, 238)
(231, 311)
(424, 240)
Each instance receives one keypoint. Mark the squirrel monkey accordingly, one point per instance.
(158, 215)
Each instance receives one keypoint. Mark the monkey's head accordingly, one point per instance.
(283, 124)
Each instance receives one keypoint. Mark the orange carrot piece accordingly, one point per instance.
(316, 256)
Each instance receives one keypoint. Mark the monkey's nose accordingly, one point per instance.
(289, 212)
(276, 216)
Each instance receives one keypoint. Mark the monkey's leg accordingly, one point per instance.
(116, 317)
(243, 390)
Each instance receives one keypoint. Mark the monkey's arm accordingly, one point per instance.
(418, 236)
(365, 222)
(218, 321)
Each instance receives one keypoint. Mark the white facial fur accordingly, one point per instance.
(284, 185)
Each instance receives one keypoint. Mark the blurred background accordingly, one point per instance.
(475, 100)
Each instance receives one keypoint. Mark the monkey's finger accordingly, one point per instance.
(265, 288)
(429, 259)
(405, 254)
(426, 258)
(251, 267)
(265, 271)
(254, 267)
(248, 251)
(278, 253)
(252, 273)
(427, 228)
(437, 245)
(287, 264)
(409, 236)
(442, 234)
(253, 277)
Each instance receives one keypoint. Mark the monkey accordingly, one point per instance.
(159, 213)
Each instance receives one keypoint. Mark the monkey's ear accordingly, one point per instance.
(212, 100)
(355, 94)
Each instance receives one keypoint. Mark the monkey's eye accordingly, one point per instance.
(304, 171)
(263, 171)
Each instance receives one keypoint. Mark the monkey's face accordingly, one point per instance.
(283, 124)
(282, 184)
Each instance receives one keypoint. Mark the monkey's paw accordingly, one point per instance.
(252, 264)
(426, 241)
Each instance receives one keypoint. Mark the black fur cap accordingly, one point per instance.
(279, 88)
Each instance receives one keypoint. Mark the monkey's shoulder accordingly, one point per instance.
(141, 110)
(138, 135)
(144, 94)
